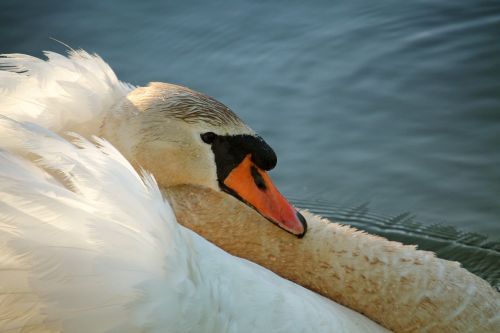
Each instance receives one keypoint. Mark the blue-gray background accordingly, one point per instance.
(393, 104)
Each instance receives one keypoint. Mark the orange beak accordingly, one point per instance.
(254, 186)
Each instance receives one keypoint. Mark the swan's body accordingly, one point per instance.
(157, 127)
(108, 255)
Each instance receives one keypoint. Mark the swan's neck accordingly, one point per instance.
(398, 286)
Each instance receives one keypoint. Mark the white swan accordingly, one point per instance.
(166, 129)
(92, 247)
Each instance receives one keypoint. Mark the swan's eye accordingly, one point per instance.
(208, 137)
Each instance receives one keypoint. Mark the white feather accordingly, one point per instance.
(61, 93)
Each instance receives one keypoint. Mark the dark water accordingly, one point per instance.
(390, 105)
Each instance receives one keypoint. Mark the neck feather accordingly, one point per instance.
(404, 289)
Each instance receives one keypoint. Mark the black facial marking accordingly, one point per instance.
(257, 178)
(230, 150)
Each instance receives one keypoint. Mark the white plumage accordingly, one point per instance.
(88, 245)
(63, 93)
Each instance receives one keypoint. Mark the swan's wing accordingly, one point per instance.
(77, 255)
(60, 93)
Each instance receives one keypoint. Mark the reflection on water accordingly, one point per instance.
(389, 102)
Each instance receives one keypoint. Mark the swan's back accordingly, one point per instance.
(87, 245)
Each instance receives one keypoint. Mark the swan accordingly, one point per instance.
(88, 245)
(212, 169)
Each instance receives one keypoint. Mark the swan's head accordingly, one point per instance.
(185, 137)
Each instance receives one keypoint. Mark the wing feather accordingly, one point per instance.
(80, 232)
(60, 93)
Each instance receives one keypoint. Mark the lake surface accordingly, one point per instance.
(390, 106)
